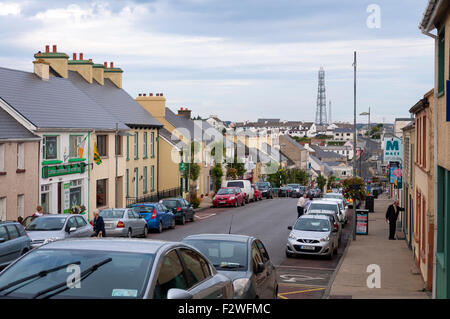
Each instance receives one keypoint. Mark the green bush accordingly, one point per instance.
(195, 202)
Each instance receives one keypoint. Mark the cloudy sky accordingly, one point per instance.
(239, 59)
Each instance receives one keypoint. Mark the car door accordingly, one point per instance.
(269, 271)
(15, 243)
(140, 222)
(132, 222)
(83, 227)
(171, 275)
(5, 247)
(164, 215)
(72, 223)
(261, 279)
(190, 209)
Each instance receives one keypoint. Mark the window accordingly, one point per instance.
(20, 156)
(2, 208)
(45, 198)
(72, 222)
(195, 266)
(152, 178)
(81, 221)
(102, 141)
(145, 182)
(136, 145)
(256, 256)
(119, 145)
(50, 147)
(171, 275)
(136, 182)
(21, 205)
(3, 233)
(128, 148)
(75, 192)
(424, 143)
(441, 63)
(263, 251)
(145, 145)
(101, 192)
(74, 141)
(2, 157)
(152, 144)
(127, 176)
(12, 230)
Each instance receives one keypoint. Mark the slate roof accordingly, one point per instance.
(115, 100)
(10, 129)
(55, 103)
(322, 154)
(343, 130)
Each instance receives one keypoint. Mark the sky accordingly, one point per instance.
(240, 59)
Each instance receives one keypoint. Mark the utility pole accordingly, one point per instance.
(354, 141)
(117, 166)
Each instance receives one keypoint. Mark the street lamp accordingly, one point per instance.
(368, 127)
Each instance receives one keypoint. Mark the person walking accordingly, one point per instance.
(99, 225)
(391, 218)
(301, 205)
(308, 202)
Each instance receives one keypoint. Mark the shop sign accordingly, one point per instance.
(58, 170)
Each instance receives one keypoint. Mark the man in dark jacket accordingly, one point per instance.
(99, 225)
(391, 218)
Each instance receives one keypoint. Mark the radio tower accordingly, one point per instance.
(329, 114)
(321, 110)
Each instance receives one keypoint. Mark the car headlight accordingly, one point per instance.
(240, 286)
(325, 238)
(291, 236)
(49, 240)
(231, 198)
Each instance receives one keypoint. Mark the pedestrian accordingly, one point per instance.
(308, 202)
(301, 205)
(39, 211)
(99, 225)
(20, 219)
(391, 218)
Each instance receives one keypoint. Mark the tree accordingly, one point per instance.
(279, 178)
(331, 181)
(354, 188)
(217, 174)
(231, 173)
(321, 181)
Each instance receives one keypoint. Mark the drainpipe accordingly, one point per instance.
(435, 178)
(89, 174)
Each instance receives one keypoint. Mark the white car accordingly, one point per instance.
(245, 186)
(343, 216)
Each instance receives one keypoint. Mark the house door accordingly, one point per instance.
(60, 199)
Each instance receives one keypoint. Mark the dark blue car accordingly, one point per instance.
(157, 216)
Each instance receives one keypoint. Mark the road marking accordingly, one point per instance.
(313, 268)
(295, 278)
(282, 295)
(206, 216)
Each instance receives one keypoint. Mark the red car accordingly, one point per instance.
(229, 196)
(258, 193)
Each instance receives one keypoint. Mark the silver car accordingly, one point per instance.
(124, 222)
(54, 227)
(322, 204)
(115, 269)
(312, 235)
(334, 219)
(14, 242)
(244, 259)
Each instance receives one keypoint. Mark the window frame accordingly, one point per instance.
(145, 145)
(105, 180)
(21, 155)
(76, 144)
(136, 145)
(145, 181)
(102, 147)
(44, 147)
(191, 283)
(441, 62)
(2, 157)
(152, 144)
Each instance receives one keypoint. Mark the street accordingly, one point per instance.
(298, 278)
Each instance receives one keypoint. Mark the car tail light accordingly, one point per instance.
(91, 223)
(178, 209)
(336, 225)
(153, 214)
(120, 224)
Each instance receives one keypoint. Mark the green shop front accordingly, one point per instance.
(64, 185)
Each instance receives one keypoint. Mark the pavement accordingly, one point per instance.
(399, 278)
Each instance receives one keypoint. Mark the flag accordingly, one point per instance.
(81, 146)
(97, 158)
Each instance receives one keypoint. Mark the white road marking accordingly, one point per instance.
(204, 217)
(296, 278)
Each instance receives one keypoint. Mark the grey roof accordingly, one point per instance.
(343, 130)
(268, 120)
(115, 100)
(180, 122)
(425, 23)
(168, 136)
(10, 129)
(322, 154)
(55, 103)
(293, 142)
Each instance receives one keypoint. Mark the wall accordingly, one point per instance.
(169, 170)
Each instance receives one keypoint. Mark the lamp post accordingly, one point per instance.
(354, 141)
(368, 127)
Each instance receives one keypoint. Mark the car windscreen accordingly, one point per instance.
(262, 185)
(318, 213)
(224, 255)
(170, 203)
(46, 223)
(109, 213)
(333, 196)
(323, 206)
(293, 185)
(225, 191)
(312, 224)
(120, 274)
(236, 184)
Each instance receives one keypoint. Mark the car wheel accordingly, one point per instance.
(192, 218)
(288, 254)
(24, 251)
(129, 233)
(330, 256)
(160, 228)
(183, 220)
(335, 251)
(145, 234)
(172, 225)
(236, 203)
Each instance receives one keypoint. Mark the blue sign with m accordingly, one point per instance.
(392, 146)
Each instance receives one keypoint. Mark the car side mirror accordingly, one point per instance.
(290, 227)
(175, 293)
(71, 229)
(259, 268)
(2, 240)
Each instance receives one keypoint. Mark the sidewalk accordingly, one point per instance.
(399, 275)
(204, 204)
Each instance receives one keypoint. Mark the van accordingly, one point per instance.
(244, 185)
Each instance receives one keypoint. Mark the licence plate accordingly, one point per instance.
(109, 226)
(222, 202)
(307, 247)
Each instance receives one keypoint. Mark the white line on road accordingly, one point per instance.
(204, 217)
(313, 268)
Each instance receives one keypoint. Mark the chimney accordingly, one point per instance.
(42, 69)
(56, 60)
(98, 72)
(155, 105)
(114, 74)
(186, 113)
(82, 67)
(105, 65)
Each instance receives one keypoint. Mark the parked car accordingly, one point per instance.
(181, 209)
(285, 191)
(265, 188)
(115, 269)
(257, 192)
(229, 196)
(246, 188)
(54, 227)
(157, 216)
(314, 192)
(244, 259)
(334, 219)
(312, 235)
(327, 205)
(343, 209)
(335, 196)
(297, 190)
(123, 222)
(14, 242)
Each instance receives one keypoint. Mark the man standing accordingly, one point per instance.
(301, 205)
(391, 218)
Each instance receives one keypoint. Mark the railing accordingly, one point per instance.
(154, 197)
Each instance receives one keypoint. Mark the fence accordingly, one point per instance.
(154, 197)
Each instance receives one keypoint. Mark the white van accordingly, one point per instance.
(246, 188)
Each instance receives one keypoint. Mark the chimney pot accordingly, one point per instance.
(160, 94)
(111, 64)
(150, 94)
(181, 109)
(54, 48)
(140, 94)
(105, 64)
(47, 49)
(157, 94)
(90, 60)
(74, 56)
(81, 56)
(145, 94)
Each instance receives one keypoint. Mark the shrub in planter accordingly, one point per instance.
(195, 202)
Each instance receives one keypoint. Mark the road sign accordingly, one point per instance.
(392, 149)
(182, 167)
